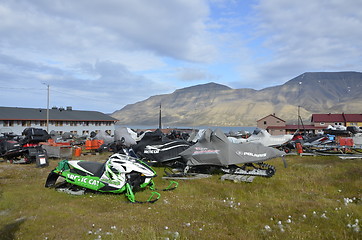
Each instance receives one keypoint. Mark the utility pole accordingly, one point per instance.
(48, 108)
(48, 96)
(300, 84)
(159, 119)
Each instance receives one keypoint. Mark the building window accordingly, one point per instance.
(322, 123)
(264, 122)
(59, 123)
(26, 123)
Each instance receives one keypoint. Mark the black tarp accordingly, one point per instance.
(34, 135)
(213, 148)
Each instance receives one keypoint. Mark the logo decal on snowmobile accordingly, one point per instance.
(84, 180)
(199, 150)
(151, 151)
(258, 155)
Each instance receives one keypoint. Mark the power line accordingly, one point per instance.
(52, 90)
(15, 88)
(78, 96)
(56, 91)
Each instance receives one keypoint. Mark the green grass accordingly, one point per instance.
(313, 198)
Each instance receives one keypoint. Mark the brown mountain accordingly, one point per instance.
(218, 105)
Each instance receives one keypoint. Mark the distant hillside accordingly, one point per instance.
(218, 105)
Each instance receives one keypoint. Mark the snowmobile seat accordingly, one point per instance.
(94, 167)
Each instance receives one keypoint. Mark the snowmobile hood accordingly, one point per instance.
(263, 137)
(127, 164)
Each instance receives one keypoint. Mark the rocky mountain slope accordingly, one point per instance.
(218, 105)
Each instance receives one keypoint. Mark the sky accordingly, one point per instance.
(101, 55)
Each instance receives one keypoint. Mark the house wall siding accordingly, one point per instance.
(277, 131)
(58, 126)
(269, 121)
(358, 124)
(14, 119)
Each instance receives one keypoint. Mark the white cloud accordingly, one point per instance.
(95, 48)
(93, 28)
(105, 54)
(194, 74)
(309, 36)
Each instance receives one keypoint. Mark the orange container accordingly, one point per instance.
(77, 152)
(88, 144)
(346, 142)
(299, 147)
(93, 144)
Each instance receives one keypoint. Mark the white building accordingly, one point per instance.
(14, 119)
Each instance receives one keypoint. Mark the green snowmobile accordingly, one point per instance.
(119, 174)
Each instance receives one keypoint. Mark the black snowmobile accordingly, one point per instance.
(156, 149)
(10, 147)
(13, 147)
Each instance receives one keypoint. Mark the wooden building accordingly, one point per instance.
(273, 124)
(277, 126)
(333, 119)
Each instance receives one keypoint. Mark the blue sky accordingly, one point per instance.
(102, 55)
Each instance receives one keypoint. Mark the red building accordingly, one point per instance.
(343, 119)
(277, 126)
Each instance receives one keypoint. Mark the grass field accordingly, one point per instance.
(313, 198)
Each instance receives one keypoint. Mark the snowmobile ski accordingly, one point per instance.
(252, 169)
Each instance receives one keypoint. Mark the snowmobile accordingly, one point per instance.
(13, 147)
(119, 174)
(215, 153)
(9, 146)
(265, 138)
(156, 149)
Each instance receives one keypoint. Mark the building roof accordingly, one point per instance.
(273, 115)
(333, 117)
(55, 114)
(353, 117)
(295, 127)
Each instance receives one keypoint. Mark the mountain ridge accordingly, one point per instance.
(215, 104)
